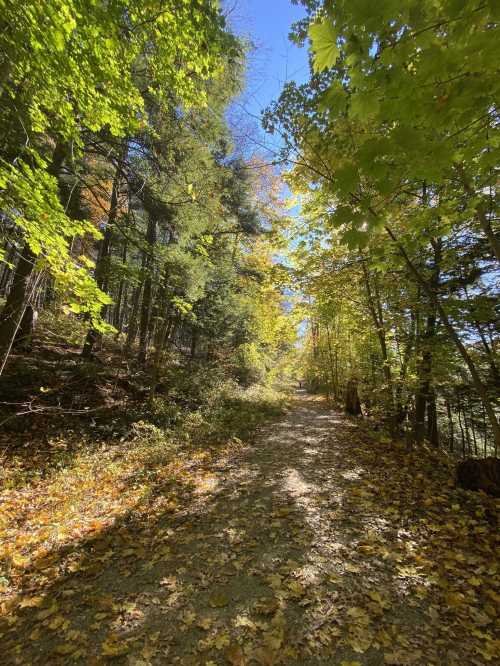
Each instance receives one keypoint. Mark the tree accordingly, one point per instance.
(396, 134)
(69, 67)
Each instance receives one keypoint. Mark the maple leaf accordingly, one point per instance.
(31, 602)
(324, 44)
(43, 614)
(352, 568)
(204, 623)
(235, 655)
(113, 646)
(218, 600)
(65, 649)
(221, 640)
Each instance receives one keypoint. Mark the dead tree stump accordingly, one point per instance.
(352, 403)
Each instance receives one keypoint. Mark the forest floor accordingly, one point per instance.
(319, 542)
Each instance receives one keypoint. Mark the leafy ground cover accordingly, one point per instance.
(317, 542)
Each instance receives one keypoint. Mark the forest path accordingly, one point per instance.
(317, 544)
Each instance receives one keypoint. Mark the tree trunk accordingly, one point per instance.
(459, 410)
(481, 214)
(117, 310)
(6, 270)
(102, 265)
(147, 294)
(22, 283)
(331, 364)
(165, 331)
(375, 309)
(17, 301)
(450, 426)
(352, 402)
(425, 401)
(24, 335)
(432, 425)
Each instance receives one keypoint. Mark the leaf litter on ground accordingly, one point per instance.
(318, 543)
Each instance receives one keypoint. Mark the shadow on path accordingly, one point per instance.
(306, 548)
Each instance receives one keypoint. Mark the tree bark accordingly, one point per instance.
(375, 309)
(352, 402)
(450, 426)
(147, 294)
(425, 400)
(117, 310)
(332, 364)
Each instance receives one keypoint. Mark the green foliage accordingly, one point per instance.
(32, 196)
(324, 45)
(70, 67)
(388, 140)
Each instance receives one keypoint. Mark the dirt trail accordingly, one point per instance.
(308, 547)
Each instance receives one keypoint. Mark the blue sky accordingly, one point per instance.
(273, 62)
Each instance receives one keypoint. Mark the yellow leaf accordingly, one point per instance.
(365, 550)
(56, 622)
(274, 639)
(44, 614)
(274, 580)
(19, 561)
(244, 621)
(358, 643)
(221, 640)
(31, 602)
(357, 612)
(352, 568)
(112, 648)
(204, 623)
(235, 655)
(65, 648)
(455, 599)
(295, 587)
(188, 618)
(218, 601)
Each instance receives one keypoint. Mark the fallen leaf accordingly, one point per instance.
(65, 648)
(218, 601)
(235, 655)
(352, 568)
(47, 612)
